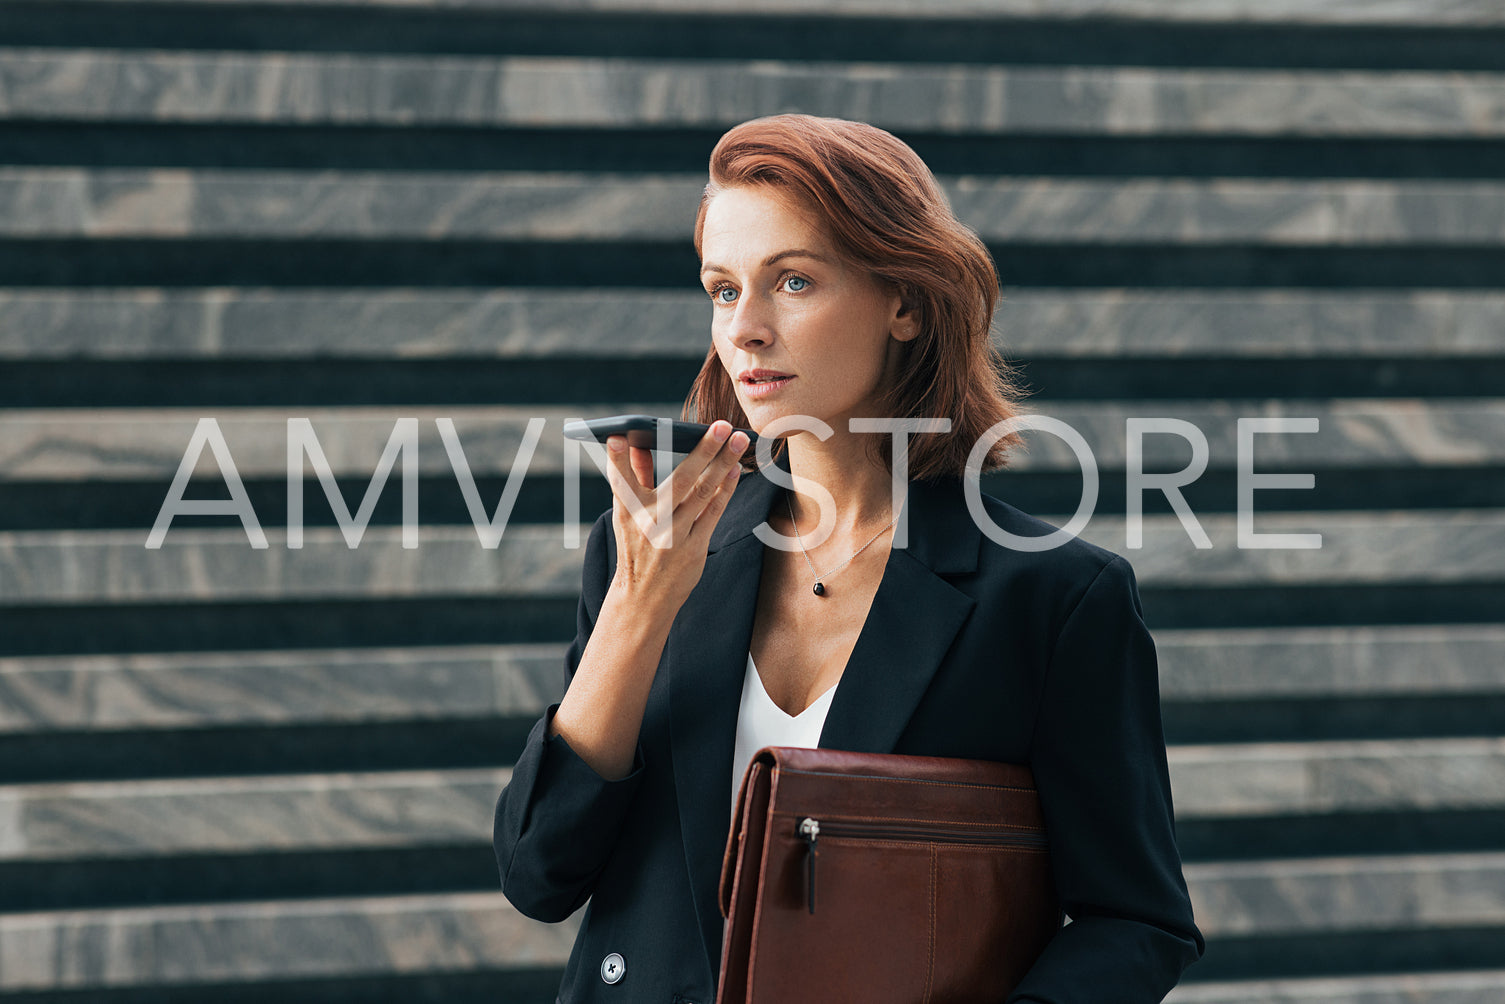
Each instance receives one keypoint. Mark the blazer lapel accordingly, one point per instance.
(914, 617)
(909, 628)
(707, 661)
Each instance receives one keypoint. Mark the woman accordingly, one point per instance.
(804, 600)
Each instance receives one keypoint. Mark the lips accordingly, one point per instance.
(761, 383)
(761, 376)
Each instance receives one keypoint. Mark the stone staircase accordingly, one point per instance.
(230, 772)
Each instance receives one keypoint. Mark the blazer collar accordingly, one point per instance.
(913, 620)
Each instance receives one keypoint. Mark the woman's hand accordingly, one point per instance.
(660, 558)
(663, 532)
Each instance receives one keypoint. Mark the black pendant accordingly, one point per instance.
(820, 590)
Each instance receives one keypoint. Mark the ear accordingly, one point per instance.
(905, 322)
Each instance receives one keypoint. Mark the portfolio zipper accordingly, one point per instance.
(810, 831)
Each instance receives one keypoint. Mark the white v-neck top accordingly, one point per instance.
(761, 722)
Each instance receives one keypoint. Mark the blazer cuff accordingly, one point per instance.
(556, 824)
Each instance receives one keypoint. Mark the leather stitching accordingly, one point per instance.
(790, 814)
(909, 780)
(930, 966)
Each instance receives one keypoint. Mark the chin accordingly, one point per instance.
(761, 417)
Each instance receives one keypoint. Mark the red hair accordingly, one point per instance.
(885, 214)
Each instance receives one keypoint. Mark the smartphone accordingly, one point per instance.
(642, 431)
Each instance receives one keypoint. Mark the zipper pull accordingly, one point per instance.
(810, 831)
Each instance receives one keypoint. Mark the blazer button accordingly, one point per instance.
(613, 968)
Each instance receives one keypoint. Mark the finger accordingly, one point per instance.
(642, 465)
(683, 480)
(652, 510)
(708, 488)
(700, 533)
(622, 479)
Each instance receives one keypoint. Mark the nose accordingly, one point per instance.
(749, 324)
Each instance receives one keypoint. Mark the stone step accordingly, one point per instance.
(1395, 433)
(109, 444)
(109, 203)
(1410, 13)
(104, 444)
(416, 324)
(198, 690)
(219, 943)
(194, 690)
(1298, 684)
(1323, 895)
(133, 819)
(1356, 548)
(221, 565)
(238, 943)
(96, 820)
(1479, 987)
(1228, 781)
(296, 88)
(189, 824)
(1345, 663)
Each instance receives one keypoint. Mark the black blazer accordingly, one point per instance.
(970, 649)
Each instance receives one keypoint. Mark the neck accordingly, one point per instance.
(861, 488)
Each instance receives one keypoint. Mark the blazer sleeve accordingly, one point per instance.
(557, 820)
(1098, 757)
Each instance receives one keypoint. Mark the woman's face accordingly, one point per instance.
(785, 303)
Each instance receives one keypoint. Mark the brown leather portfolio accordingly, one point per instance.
(883, 879)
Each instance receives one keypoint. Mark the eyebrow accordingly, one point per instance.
(772, 260)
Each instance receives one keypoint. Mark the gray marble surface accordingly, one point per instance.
(231, 815)
(205, 689)
(200, 689)
(228, 322)
(60, 444)
(71, 444)
(537, 91)
(1484, 987)
(273, 940)
(368, 323)
(1430, 546)
(60, 821)
(1291, 662)
(1273, 323)
(206, 565)
(1354, 894)
(1300, 212)
(170, 202)
(220, 565)
(1257, 779)
(1410, 12)
(1392, 432)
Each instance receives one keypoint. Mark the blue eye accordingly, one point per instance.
(789, 283)
(720, 295)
